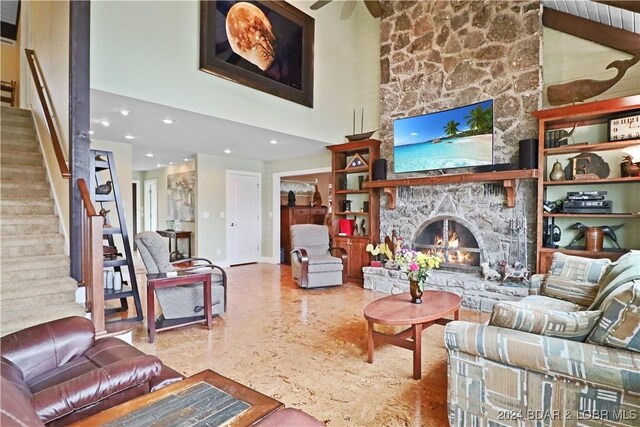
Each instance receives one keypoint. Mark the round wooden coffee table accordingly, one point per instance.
(399, 310)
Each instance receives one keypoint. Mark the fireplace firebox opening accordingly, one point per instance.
(452, 241)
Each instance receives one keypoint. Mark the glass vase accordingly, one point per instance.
(415, 291)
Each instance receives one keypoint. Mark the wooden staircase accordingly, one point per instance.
(35, 286)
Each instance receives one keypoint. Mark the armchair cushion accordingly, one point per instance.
(325, 263)
(620, 323)
(535, 301)
(43, 348)
(574, 279)
(314, 238)
(544, 321)
(154, 252)
(626, 269)
(603, 366)
(91, 387)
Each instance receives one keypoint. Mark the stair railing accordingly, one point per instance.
(9, 92)
(92, 259)
(47, 107)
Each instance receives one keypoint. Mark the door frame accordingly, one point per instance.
(275, 238)
(146, 206)
(227, 176)
(136, 206)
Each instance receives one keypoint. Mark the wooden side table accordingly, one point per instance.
(175, 255)
(159, 281)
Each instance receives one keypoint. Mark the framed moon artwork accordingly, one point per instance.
(266, 45)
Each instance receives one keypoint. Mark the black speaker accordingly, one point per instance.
(529, 154)
(379, 169)
(496, 167)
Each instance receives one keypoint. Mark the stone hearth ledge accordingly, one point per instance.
(477, 294)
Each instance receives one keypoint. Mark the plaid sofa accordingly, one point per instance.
(568, 355)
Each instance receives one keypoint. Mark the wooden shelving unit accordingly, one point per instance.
(591, 121)
(351, 183)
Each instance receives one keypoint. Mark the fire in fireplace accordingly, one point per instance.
(451, 241)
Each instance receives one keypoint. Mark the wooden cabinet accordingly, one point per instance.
(297, 215)
(357, 256)
(351, 167)
(591, 135)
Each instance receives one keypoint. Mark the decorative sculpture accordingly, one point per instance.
(608, 230)
(103, 213)
(489, 273)
(291, 199)
(632, 169)
(580, 90)
(104, 188)
(317, 198)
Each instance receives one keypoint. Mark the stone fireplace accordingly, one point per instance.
(452, 241)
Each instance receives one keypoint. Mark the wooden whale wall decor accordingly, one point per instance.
(580, 90)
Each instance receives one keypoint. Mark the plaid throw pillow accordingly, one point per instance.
(574, 279)
(573, 326)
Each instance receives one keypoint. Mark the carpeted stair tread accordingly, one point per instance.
(14, 289)
(14, 206)
(32, 240)
(6, 111)
(30, 245)
(12, 157)
(33, 262)
(21, 189)
(20, 304)
(14, 321)
(23, 173)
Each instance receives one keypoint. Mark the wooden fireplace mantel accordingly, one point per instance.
(508, 179)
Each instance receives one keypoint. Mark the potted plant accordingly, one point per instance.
(417, 266)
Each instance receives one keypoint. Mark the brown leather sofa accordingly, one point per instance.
(63, 374)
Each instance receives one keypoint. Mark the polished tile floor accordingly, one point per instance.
(307, 348)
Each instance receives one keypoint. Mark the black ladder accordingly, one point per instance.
(104, 170)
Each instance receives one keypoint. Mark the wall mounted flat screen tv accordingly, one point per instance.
(456, 138)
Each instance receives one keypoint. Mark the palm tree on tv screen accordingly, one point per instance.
(480, 121)
(451, 128)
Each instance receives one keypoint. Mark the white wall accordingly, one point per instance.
(568, 58)
(367, 44)
(149, 50)
(210, 197)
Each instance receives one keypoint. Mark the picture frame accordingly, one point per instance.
(280, 64)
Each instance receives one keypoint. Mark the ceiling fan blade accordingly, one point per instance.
(317, 5)
(374, 7)
(347, 9)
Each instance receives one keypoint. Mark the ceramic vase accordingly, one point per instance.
(594, 237)
(415, 291)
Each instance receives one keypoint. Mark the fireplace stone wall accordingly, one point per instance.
(444, 54)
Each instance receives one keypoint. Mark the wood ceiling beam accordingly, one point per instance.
(632, 6)
(605, 35)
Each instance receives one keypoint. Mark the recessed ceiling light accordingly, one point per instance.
(168, 121)
(124, 112)
(149, 154)
(159, 165)
(185, 159)
(90, 132)
(274, 141)
(129, 137)
(227, 151)
(170, 163)
(105, 123)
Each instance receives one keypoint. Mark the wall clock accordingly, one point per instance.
(624, 127)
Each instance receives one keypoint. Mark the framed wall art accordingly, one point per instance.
(266, 45)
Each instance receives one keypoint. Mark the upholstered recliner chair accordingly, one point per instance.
(312, 263)
(181, 301)
(57, 373)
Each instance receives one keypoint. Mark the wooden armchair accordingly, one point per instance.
(313, 263)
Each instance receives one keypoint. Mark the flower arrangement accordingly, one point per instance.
(416, 265)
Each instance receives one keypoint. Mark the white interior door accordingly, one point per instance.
(243, 217)
(151, 205)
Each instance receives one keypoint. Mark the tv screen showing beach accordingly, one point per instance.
(456, 138)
